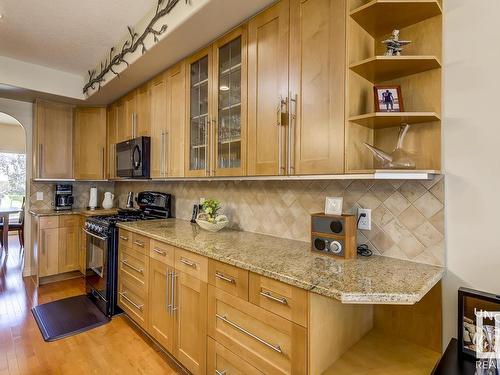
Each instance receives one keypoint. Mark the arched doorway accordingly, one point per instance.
(13, 179)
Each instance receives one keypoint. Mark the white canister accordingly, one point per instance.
(93, 198)
(107, 202)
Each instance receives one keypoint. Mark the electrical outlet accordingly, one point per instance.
(365, 223)
(39, 195)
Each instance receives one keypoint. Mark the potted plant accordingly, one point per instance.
(209, 219)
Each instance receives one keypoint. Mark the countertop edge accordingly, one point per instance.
(345, 298)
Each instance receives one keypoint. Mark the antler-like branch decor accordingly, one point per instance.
(135, 40)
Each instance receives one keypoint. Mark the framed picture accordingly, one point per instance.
(388, 99)
(478, 324)
(333, 205)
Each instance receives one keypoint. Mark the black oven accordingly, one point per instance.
(133, 158)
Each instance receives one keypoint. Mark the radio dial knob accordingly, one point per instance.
(335, 247)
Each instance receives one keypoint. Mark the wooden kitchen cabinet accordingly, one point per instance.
(268, 35)
(317, 82)
(191, 322)
(89, 144)
(111, 140)
(69, 251)
(199, 111)
(158, 96)
(123, 123)
(134, 114)
(161, 321)
(176, 121)
(48, 252)
(142, 125)
(221, 360)
(53, 140)
(127, 128)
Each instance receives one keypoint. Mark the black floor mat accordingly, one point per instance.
(67, 317)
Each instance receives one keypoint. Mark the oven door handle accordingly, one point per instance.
(95, 235)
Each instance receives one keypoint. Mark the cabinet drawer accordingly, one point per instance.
(162, 252)
(125, 238)
(68, 221)
(222, 361)
(228, 278)
(285, 300)
(49, 222)
(140, 243)
(192, 264)
(269, 342)
(135, 265)
(132, 299)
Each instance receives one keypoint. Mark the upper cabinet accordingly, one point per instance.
(176, 120)
(158, 97)
(268, 35)
(230, 104)
(317, 75)
(199, 114)
(133, 117)
(90, 144)
(53, 136)
(111, 137)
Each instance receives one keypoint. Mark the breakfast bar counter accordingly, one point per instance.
(365, 280)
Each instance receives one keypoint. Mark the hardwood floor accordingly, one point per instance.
(115, 348)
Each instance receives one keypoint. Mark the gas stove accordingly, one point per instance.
(102, 247)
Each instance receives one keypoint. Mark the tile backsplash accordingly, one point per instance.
(407, 216)
(81, 192)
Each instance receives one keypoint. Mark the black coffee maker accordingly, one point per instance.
(64, 197)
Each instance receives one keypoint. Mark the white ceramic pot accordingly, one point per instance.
(107, 202)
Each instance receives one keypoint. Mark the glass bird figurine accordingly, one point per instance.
(398, 158)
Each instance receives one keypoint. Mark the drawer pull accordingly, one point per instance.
(123, 238)
(276, 348)
(281, 300)
(187, 262)
(139, 243)
(158, 251)
(124, 296)
(217, 372)
(140, 270)
(225, 278)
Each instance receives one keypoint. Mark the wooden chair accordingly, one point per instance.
(16, 226)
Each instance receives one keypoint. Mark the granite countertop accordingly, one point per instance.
(373, 280)
(76, 211)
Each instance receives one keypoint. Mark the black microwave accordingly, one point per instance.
(133, 158)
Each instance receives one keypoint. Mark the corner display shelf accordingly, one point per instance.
(384, 68)
(379, 17)
(381, 120)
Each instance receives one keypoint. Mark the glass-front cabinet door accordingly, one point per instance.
(199, 110)
(230, 104)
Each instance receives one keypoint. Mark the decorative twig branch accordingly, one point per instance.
(130, 46)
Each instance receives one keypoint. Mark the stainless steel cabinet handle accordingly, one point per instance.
(103, 164)
(140, 270)
(214, 143)
(40, 160)
(169, 281)
(207, 144)
(291, 132)
(278, 123)
(217, 372)
(276, 348)
(158, 251)
(139, 243)
(124, 238)
(225, 278)
(187, 262)
(166, 293)
(281, 300)
(124, 296)
(165, 157)
(174, 276)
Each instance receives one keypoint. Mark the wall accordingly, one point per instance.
(81, 193)
(13, 139)
(407, 215)
(23, 112)
(471, 137)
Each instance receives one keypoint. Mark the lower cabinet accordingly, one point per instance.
(161, 321)
(59, 249)
(191, 322)
(222, 361)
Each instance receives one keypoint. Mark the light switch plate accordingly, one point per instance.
(39, 195)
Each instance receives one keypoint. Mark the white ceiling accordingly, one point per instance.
(66, 35)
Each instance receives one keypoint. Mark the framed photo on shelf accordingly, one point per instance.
(333, 205)
(478, 324)
(388, 99)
